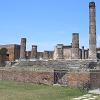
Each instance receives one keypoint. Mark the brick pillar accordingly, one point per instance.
(34, 51)
(75, 46)
(92, 31)
(23, 48)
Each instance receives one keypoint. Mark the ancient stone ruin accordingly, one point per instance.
(67, 65)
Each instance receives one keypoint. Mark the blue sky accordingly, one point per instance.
(46, 22)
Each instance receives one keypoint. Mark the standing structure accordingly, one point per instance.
(83, 53)
(58, 52)
(92, 31)
(23, 48)
(34, 51)
(46, 55)
(75, 46)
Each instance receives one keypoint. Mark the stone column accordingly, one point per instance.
(60, 51)
(46, 55)
(92, 31)
(75, 46)
(80, 54)
(86, 54)
(23, 48)
(51, 54)
(34, 51)
(83, 53)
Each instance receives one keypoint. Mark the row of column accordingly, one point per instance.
(76, 53)
(83, 54)
(23, 50)
(75, 41)
(34, 53)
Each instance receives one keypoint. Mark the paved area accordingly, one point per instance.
(87, 97)
(96, 91)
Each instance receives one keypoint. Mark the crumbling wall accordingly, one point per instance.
(27, 76)
(71, 78)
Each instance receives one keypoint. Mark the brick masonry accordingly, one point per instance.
(72, 78)
(27, 76)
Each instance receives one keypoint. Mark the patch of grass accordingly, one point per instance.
(26, 91)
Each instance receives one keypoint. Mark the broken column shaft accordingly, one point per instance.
(23, 48)
(75, 46)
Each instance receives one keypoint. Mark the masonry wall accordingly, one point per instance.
(78, 79)
(13, 51)
(67, 53)
(27, 76)
(95, 78)
(72, 78)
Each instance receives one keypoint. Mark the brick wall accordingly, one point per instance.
(27, 76)
(70, 78)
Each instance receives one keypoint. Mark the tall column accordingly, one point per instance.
(75, 46)
(23, 48)
(83, 53)
(92, 31)
(34, 51)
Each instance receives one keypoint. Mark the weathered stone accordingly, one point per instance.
(86, 54)
(75, 46)
(92, 31)
(13, 51)
(58, 52)
(46, 55)
(23, 48)
(83, 53)
(34, 51)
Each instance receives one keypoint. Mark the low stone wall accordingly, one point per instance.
(73, 78)
(70, 78)
(78, 79)
(27, 76)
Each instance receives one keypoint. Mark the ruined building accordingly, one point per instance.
(73, 51)
(61, 51)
